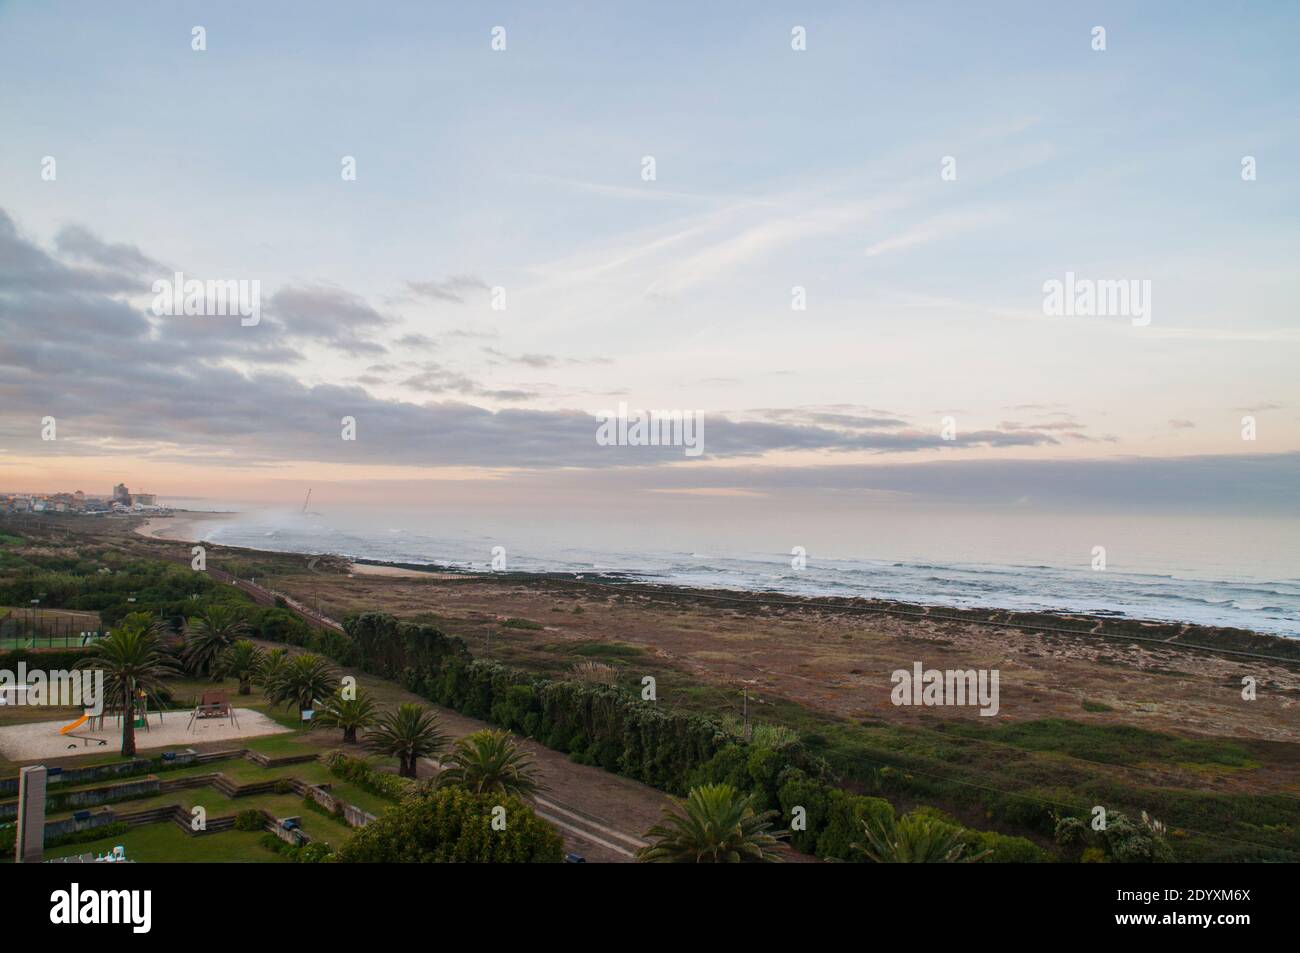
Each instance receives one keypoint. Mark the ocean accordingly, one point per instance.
(1241, 572)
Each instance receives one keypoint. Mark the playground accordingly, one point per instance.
(171, 729)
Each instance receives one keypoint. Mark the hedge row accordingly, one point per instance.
(596, 724)
(46, 660)
(616, 730)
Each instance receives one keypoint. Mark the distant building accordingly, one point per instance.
(121, 494)
(145, 499)
(79, 496)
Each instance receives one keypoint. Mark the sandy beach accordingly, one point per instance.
(365, 569)
(183, 527)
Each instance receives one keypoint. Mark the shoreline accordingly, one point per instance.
(186, 527)
(181, 527)
(1246, 642)
(1230, 641)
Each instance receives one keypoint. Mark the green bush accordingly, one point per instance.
(845, 814)
(797, 790)
(250, 820)
(380, 783)
(313, 852)
(1122, 841)
(1128, 843)
(1004, 849)
(452, 825)
(512, 709)
(43, 659)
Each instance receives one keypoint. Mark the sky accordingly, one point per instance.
(517, 175)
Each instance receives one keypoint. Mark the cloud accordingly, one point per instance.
(833, 417)
(436, 379)
(74, 241)
(207, 388)
(935, 229)
(540, 361)
(449, 289)
(332, 316)
(24, 267)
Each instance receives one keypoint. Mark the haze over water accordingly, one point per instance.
(1167, 567)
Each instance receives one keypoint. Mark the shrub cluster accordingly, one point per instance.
(358, 772)
(313, 852)
(451, 825)
(250, 820)
(1121, 841)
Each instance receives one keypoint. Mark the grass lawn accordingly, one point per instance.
(317, 824)
(167, 843)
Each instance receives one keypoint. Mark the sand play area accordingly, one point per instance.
(41, 739)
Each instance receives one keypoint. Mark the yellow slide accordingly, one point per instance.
(76, 724)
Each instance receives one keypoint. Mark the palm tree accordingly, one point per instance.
(210, 633)
(273, 663)
(302, 679)
(134, 664)
(913, 839)
(718, 826)
(489, 762)
(243, 660)
(346, 713)
(408, 734)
